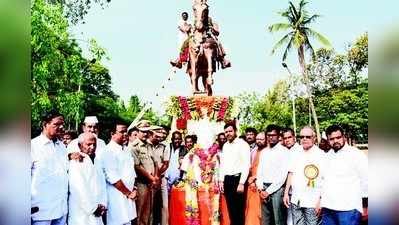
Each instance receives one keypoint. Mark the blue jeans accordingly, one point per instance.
(59, 221)
(333, 217)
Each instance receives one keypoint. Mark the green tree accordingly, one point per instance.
(347, 107)
(61, 77)
(56, 63)
(327, 70)
(273, 107)
(76, 10)
(299, 33)
(246, 102)
(358, 57)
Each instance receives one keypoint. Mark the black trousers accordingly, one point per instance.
(235, 201)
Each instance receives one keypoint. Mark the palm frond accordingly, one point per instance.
(311, 19)
(287, 49)
(323, 40)
(302, 5)
(287, 14)
(283, 40)
(278, 27)
(293, 11)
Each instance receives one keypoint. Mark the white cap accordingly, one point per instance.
(91, 119)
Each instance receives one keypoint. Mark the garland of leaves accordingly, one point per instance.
(215, 107)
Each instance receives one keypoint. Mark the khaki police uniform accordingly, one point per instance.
(144, 156)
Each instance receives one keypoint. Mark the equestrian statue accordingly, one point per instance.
(201, 50)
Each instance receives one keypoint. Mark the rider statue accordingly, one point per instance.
(212, 31)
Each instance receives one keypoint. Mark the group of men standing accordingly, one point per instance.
(266, 177)
(87, 183)
(91, 183)
(291, 183)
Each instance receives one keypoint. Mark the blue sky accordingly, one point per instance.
(141, 38)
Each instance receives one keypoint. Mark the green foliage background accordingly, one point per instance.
(340, 89)
(63, 79)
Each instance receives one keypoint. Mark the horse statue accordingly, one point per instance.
(202, 50)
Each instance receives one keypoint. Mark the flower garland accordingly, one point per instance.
(208, 162)
(184, 108)
(191, 188)
(205, 103)
(216, 108)
(223, 108)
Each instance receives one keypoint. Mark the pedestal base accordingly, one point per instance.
(177, 208)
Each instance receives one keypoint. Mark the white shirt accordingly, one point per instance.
(272, 168)
(173, 171)
(345, 179)
(118, 164)
(100, 147)
(85, 193)
(302, 194)
(182, 36)
(235, 158)
(49, 184)
(295, 147)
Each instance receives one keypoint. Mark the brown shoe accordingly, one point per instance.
(176, 63)
(226, 64)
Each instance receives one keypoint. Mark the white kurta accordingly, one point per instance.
(49, 184)
(118, 164)
(305, 195)
(85, 193)
(74, 147)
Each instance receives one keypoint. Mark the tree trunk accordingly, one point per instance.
(301, 57)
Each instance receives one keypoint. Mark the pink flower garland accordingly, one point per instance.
(184, 108)
(207, 162)
(223, 108)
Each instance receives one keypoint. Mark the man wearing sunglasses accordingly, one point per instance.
(305, 180)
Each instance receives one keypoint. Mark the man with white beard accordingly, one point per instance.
(87, 200)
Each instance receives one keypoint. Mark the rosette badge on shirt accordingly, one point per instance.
(311, 172)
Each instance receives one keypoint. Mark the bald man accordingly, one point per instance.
(304, 178)
(87, 199)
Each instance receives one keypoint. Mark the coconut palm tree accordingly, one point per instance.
(299, 33)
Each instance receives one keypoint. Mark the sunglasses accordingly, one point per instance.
(305, 136)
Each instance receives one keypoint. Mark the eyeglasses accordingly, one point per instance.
(305, 136)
